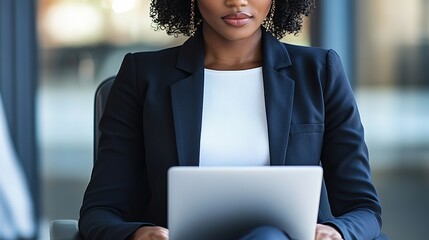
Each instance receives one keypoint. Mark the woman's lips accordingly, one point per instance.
(237, 19)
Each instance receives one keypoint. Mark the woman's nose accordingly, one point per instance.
(236, 3)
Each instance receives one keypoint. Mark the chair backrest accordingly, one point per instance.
(99, 102)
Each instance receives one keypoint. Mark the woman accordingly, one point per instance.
(176, 107)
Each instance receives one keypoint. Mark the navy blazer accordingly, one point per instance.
(152, 121)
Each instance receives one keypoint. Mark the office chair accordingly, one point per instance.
(67, 229)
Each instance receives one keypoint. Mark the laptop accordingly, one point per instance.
(206, 203)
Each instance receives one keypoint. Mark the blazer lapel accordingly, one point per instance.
(187, 100)
(279, 93)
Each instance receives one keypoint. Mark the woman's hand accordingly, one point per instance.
(150, 233)
(325, 232)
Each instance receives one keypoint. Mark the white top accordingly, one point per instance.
(234, 123)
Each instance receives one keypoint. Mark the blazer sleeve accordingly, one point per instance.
(116, 196)
(352, 196)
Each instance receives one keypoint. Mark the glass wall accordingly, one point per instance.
(392, 88)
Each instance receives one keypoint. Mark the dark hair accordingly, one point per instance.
(173, 16)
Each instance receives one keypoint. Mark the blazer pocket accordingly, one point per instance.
(307, 128)
(305, 144)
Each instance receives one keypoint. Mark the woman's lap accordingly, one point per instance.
(265, 233)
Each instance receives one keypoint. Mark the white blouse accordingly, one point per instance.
(234, 123)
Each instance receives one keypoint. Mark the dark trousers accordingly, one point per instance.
(265, 233)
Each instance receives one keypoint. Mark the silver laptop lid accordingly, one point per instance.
(224, 202)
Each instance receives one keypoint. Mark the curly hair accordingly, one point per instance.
(174, 16)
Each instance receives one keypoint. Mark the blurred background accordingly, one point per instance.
(74, 44)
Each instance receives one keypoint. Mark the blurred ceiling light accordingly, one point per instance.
(69, 23)
(123, 6)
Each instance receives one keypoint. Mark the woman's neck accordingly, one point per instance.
(224, 54)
